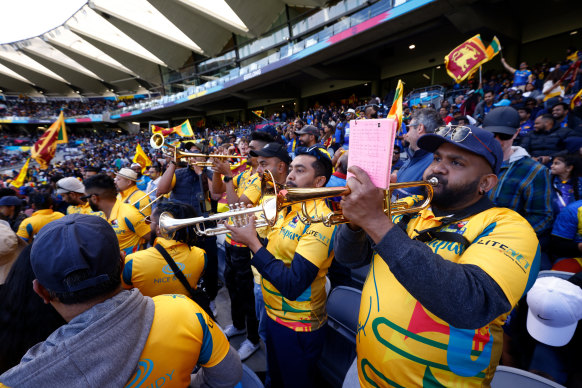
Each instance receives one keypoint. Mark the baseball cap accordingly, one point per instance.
(9, 243)
(69, 244)
(555, 307)
(502, 120)
(503, 102)
(271, 150)
(127, 173)
(135, 165)
(469, 138)
(351, 111)
(308, 129)
(268, 129)
(70, 184)
(10, 200)
(319, 153)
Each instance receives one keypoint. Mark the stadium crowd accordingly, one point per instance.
(506, 153)
(50, 108)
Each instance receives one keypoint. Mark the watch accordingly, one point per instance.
(227, 179)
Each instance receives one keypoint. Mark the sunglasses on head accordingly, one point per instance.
(459, 133)
(314, 151)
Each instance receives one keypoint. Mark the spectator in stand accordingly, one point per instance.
(396, 161)
(563, 117)
(553, 92)
(292, 143)
(531, 92)
(524, 184)
(308, 136)
(327, 138)
(546, 140)
(444, 114)
(525, 122)
(10, 211)
(484, 106)
(566, 239)
(423, 121)
(566, 181)
(43, 214)
(520, 77)
(142, 179)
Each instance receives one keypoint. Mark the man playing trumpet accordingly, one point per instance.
(293, 264)
(125, 182)
(442, 281)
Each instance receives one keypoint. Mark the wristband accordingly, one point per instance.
(227, 179)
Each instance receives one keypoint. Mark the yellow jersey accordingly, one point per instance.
(131, 195)
(84, 209)
(149, 271)
(315, 243)
(182, 336)
(129, 226)
(30, 226)
(249, 185)
(402, 344)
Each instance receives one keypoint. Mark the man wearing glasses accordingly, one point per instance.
(441, 281)
(293, 264)
(524, 184)
(131, 230)
(72, 190)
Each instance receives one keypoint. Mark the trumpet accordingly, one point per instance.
(277, 197)
(390, 209)
(269, 209)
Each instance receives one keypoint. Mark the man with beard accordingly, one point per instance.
(441, 281)
(129, 224)
(293, 263)
(71, 189)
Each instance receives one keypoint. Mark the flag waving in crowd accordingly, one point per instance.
(183, 130)
(466, 58)
(396, 109)
(19, 181)
(44, 149)
(141, 158)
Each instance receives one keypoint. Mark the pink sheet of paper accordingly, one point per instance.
(371, 147)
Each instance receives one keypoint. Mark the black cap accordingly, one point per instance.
(308, 129)
(273, 150)
(503, 119)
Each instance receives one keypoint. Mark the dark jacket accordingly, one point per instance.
(546, 143)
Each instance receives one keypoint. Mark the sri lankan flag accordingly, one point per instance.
(184, 129)
(396, 109)
(466, 58)
(19, 181)
(164, 131)
(141, 158)
(44, 149)
(577, 100)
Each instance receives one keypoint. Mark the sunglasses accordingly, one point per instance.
(459, 133)
(314, 151)
(147, 220)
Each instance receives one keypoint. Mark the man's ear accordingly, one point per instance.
(320, 181)
(41, 291)
(488, 182)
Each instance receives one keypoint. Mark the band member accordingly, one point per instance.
(149, 271)
(246, 188)
(190, 185)
(128, 223)
(125, 181)
(441, 281)
(293, 266)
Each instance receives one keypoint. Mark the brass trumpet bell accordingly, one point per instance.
(157, 141)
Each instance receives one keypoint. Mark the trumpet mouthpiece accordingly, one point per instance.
(433, 181)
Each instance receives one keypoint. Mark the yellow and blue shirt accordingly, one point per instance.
(131, 195)
(400, 343)
(288, 241)
(30, 226)
(249, 185)
(568, 224)
(182, 336)
(129, 226)
(85, 208)
(149, 271)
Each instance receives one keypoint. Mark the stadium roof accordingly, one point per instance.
(117, 45)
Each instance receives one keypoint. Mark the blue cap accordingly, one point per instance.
(10, 200)
(74, 242)
(268, 129)
(481, 143)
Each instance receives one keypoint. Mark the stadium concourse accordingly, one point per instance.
(245, 87)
